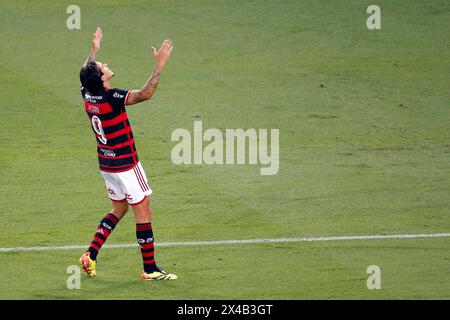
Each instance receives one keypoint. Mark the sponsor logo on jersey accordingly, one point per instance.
(117, 95)
(93, 109)
(108, 153)
(90, 97)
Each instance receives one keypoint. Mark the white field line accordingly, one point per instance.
(249, 241)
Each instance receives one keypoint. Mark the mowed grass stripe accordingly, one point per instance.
(247, 241)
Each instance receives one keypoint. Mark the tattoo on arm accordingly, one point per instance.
(91, 56)
(147, 90)
(150, 87)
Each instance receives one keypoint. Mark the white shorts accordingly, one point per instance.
(130, 186)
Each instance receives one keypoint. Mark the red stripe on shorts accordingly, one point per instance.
(139, 178)
(143, 180)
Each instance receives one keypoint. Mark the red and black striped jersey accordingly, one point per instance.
(109, 120)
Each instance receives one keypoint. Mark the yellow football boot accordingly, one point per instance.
(88, 264)
(160, 274)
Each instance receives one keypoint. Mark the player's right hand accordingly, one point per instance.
(163, 54)
(96, 39)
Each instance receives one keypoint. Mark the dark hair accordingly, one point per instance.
(90, 77)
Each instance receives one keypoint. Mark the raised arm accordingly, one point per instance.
(96, 39)
(161, 57)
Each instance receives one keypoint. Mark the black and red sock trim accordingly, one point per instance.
(106, 226)
(144, 235)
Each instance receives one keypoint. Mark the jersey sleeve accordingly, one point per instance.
(118, 98)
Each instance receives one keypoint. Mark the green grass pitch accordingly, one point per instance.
(364, 147)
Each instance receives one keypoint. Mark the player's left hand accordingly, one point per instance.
(163, 54)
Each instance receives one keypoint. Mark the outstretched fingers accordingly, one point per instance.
(163, 54)
(97, 38)
(167, 46)
(163, 45)
(98, 33)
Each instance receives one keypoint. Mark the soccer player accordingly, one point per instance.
(124, 176)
